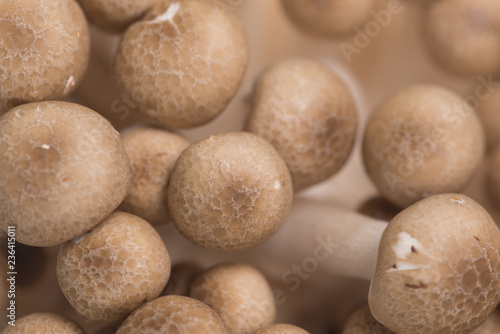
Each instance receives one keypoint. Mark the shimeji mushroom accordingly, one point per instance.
(239, 293)
(43, 323)
(44, 50)
(462, 35)
(437, 265)
(229, 192)
(327, 18)
(424, 140)
(63, 169)
(183, 62)
(308, 115)
(173, 314)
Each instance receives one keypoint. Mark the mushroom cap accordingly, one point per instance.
(462, 35)
(44, 50)
(437, 268)
(229, 192)
(308, 115)
(182, 63)
(425, 140)
(152, 153)
(108, 272)
(43, 323)
(173, 314)
(327, 18)
(115, 15)
(63, 170)
(362, 322)
(281, 329)
(240, 295)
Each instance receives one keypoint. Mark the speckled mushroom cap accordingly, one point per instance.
(437, 268)
(240, 295)
(362, 322)
(44, 50)
(173, 314)
(424, 140)
(229, 192)
(281, 329)
(152, 153)
(462, 35)
(308, 115)
(109, 271)
(493, 175)
(63, 170)
(183, 62)
(43, 323)
(115, 15)
(328, 18)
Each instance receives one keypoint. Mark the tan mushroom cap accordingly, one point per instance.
(44, 50)
(424, 140)
(462, 35)
(108, 272)
(173, 314)
(308, 115)
(281, 329)
(115, 15)
(327, 18)
(437, 268)
(362, 322)
(44, 323)
(229, 192)
(64, 169)
(183, 62)
(240, 295)
(152, 153)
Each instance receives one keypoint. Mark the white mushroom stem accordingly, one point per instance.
(323, 238)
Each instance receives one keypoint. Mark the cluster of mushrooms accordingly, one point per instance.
(69, 179)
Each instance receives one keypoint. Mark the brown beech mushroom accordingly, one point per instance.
(43, 323)
(462, 35)
(229, 192)
(362, 322)
(281, 329)
(436, 269)
(183, 62)
(308, 115)
(424, 140)
(44, 50)
(328, 18)
(115, 15)
(152, 153)
(108, 272)
(173, 314)
(63, 170)
(240, 295)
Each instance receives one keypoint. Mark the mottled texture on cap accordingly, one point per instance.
(308, 115)
(240, 295)
(437, 268)
(422, 141)
(229, 192)
(281, 329)
(173, 314)
(183, 62)
(462, 35)
(108, 272)
(115, 15)
(328, 18)
(362, 322)
(44, 50)
(152, 153)
(44, 323)
(64, 169)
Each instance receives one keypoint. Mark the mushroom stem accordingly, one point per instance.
(325, 238)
